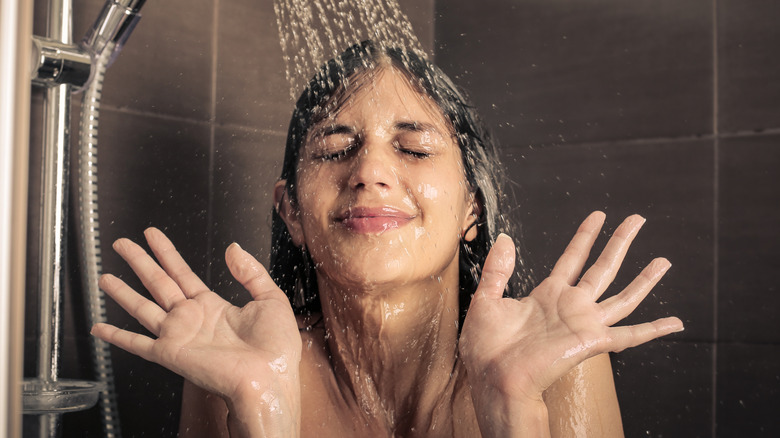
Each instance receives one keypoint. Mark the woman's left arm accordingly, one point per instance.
(583, 402)
(517, 350)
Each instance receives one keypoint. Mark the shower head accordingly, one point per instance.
(56, 63)
(114, 25)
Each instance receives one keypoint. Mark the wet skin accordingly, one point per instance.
(382, 206)
(384, 360)
(383, 172)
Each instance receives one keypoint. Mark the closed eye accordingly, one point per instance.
(337, 155)
(337, 146)
(414, 153)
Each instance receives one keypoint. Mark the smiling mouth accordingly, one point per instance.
(374, 220)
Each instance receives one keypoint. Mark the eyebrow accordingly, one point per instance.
(417, 127)
(334, 129)
(403, 126)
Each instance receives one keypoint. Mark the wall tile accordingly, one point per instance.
(40, 9)
(151, 173)
(421, 16)
(669, 183)
(748, 390)
(665, 389)
(749, 213)
(748, 66)
(246, 167)
(560, 71)
(251, 85)
(165, 67)
(33, 228)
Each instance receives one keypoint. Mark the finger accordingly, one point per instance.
(569, 265)
(498, 268)
(251, 274)
(173, 263)
(149, 314)
(139, 345)
(600, 275)
(633, 335)
(621, 305)
(164, 290)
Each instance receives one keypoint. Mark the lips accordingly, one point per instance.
(374, 220)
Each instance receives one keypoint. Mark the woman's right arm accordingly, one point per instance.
(206, 415)
(248, 356)
(203, 414)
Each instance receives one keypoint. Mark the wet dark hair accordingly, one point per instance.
(292, 267)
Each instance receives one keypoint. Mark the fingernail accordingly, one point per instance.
(235, 244)
(597, 215)
(635, 222)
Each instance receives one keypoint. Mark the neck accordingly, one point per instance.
(394, 349)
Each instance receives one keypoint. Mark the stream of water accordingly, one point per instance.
(314, 31)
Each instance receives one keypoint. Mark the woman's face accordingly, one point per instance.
(382, 195)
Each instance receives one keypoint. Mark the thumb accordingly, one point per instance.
(250, 273)
(498, 268)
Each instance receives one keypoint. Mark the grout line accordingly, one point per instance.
(732, 342)
(740, 134)
(715, 213)
(134, 112)
(716, 135)
(212, 141)
(625, 141)
(244, 128)
(251, 129)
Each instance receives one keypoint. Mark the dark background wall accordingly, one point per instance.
(664, 108)
(669, 109)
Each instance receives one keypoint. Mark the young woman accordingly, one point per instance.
(387, 242)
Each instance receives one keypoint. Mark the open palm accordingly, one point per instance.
(518, 348)
(201, 336)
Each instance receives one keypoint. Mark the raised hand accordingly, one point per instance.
(515, 349)
(237, 353)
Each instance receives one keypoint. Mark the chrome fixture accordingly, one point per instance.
(63, 68)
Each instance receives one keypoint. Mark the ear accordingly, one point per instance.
(288, 212)
(473, 212)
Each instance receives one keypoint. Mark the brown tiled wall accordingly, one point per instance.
(669, 109)
(192, 128)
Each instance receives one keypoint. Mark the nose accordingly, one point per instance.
(373, 169)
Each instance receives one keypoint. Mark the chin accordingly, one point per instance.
(369, 272)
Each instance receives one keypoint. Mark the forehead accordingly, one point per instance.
(385, 95)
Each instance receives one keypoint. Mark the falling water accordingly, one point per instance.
(314, 31)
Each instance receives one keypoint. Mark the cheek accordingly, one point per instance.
(318, 190)
(444, 205)
(429, 192)
(319, 176)
(314, 182)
